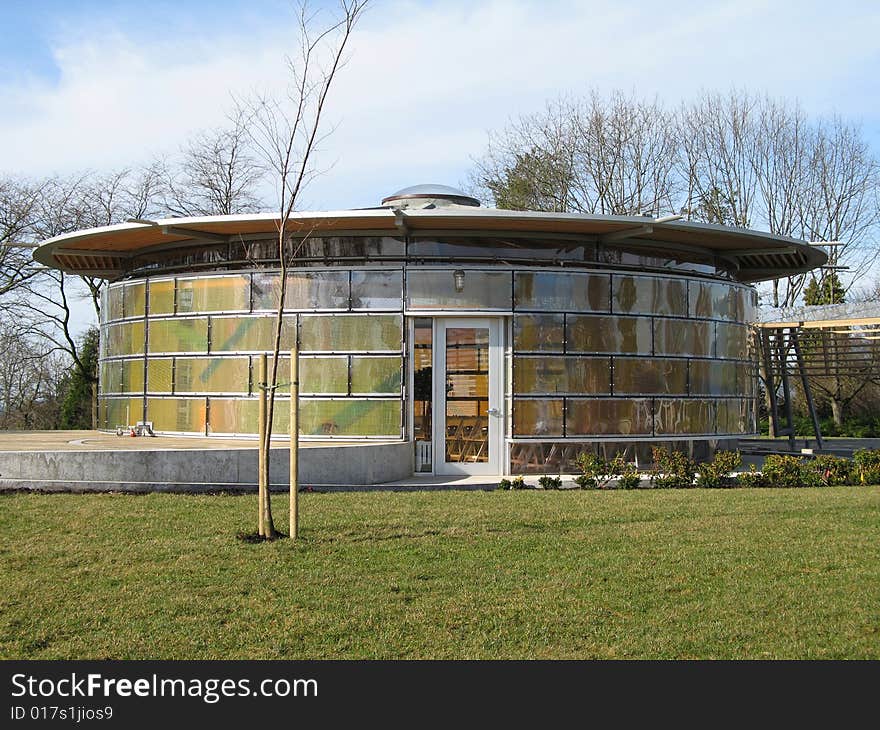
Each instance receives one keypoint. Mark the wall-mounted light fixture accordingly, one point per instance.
(458, 278)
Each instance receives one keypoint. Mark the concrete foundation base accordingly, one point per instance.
(199, 469)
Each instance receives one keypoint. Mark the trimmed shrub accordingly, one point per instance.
(672, 469)
(585, 482)
(515, 483)
(751, 478)
(832, 471)
(597, 471)
(716, 473)
(629, 477)
(548, 482)
(782, 470)
(867, 466)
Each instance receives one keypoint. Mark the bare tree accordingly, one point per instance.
(30, 382)
(17, 202)
(286, 133)
(217, 173)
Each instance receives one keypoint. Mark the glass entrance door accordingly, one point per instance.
(468, 393)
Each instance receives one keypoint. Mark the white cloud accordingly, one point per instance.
(427, 81)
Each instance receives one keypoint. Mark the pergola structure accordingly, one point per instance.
(817, 344)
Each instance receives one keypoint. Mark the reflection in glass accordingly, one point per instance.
(467, 394)
(250, 334)
(539, 332)
(350, 417)
(436, 289)
(186, 415)
(423, 397)
(178, 335)
(732, 341)
(562, 292)
(713, 300)
(377, 289)
(684, 417)
(684, 337)
(578, 375)
(211, 374)
(537, 417)
(327, 375)
(649, 295)
(712, 378)
(607, 416)
(133, 376)
(241, 416)
(605, 333)
(114, 302)
(375, 375)
(352, 333)
(125, 338)
(642, 376)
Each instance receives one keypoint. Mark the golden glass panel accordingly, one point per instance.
(135, 299)
(537, 417)
(241, 416)
(649, 295)
(673, 417)
(713, 300)
(351, 333)
(125, 338)
(159, 374)
(115, 308)
(250, 334)
(608, 416)
(684, 337)
(577, 375)
(323, 375)
(211, 375)
(213, 294)
(538, 332)
(649, 376)
(350, 417)
(133, 376)
(377, 289)
(378, 375)
(179, 335)
(732, 341)
(611, 334)
(562, 292)
(121, 412)
(111, 376)
(161, 296)
(185, 415)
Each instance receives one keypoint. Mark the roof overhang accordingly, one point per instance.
(754, 255)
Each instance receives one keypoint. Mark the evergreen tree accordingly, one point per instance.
(827, 290)
(76, 408)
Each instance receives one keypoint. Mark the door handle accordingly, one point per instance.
(494, 412)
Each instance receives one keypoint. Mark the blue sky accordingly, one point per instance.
(95, 84)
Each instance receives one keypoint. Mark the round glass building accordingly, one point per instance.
(494, 341)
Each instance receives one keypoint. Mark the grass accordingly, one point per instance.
(646, 574)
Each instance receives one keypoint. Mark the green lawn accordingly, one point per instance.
(648, 574)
